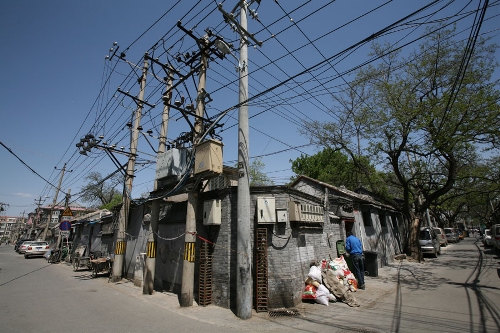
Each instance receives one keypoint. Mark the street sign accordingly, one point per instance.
(67, 212)
(65, 225)
(65, 233)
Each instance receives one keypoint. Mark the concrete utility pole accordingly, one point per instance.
(129, 177)
(66, 205)
(37, 218)
(190, 238)
(244, 250)
(244, 279)
(49, 219)
(149, 276)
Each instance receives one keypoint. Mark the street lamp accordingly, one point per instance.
(225, 48)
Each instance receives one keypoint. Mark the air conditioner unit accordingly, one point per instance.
(212, 212)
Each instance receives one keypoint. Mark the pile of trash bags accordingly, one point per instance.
(330, 282)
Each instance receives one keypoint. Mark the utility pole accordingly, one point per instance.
(244, 250)
(244, 279)
(190, 237)
(129, 177)
(49, 219)
(16, 235)
(37, 217)
(66, 205)
(149, 276)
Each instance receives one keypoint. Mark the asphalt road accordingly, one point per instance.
(457, 292)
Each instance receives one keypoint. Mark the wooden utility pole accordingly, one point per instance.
(129, 177)
(190, 238)
(49, 219)
(149, 276)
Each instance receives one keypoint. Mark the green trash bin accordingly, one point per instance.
(340, 248)
(341, 252)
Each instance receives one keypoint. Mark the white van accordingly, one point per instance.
(495, 236)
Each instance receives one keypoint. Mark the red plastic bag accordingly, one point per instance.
(309, 292)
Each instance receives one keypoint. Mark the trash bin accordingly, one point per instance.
(342, 252)
(340, 248)
(371, 263)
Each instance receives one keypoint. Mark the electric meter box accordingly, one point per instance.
(212, 212)
(266, 210)
(208, 157)
(281, 215)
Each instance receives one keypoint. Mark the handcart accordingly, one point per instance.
(80, 262)
(102, 265)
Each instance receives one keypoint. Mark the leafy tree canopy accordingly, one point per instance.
(256, 174)
(335, 168)
(102, 192)
(425, 117)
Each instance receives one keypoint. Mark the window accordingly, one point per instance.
(425, 234)
(367, 219)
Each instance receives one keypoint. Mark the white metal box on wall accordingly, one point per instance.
(212, 212)
(266, 210)
(281, 215)
(208, 157)
(294, 211)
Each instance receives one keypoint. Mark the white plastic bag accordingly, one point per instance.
(322, 295)
(315, 273)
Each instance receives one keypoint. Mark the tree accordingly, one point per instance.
(335, 168)
(102, 192)
(423, 117)
(257, 177)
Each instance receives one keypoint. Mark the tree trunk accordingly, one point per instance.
(414, 244)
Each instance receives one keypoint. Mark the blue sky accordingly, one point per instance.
(54, 68)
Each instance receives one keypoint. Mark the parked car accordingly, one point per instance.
(495, 236)
(22, 248)
(441, 236)
(487, 240)
(429, 242)
(36, 249)
(19, 242)
(451, 236)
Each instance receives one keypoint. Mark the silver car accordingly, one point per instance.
(495, 236)
(441, 236)
(22, 248)
(451, 235)
(429, 242)
(36, 249)
(487, 240)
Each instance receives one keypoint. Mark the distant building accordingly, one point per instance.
(9, 226)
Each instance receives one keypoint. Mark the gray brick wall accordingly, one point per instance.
(290, 248)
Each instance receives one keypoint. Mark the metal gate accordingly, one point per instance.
(261, 270)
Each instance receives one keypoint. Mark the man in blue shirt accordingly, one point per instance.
(355, 250)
